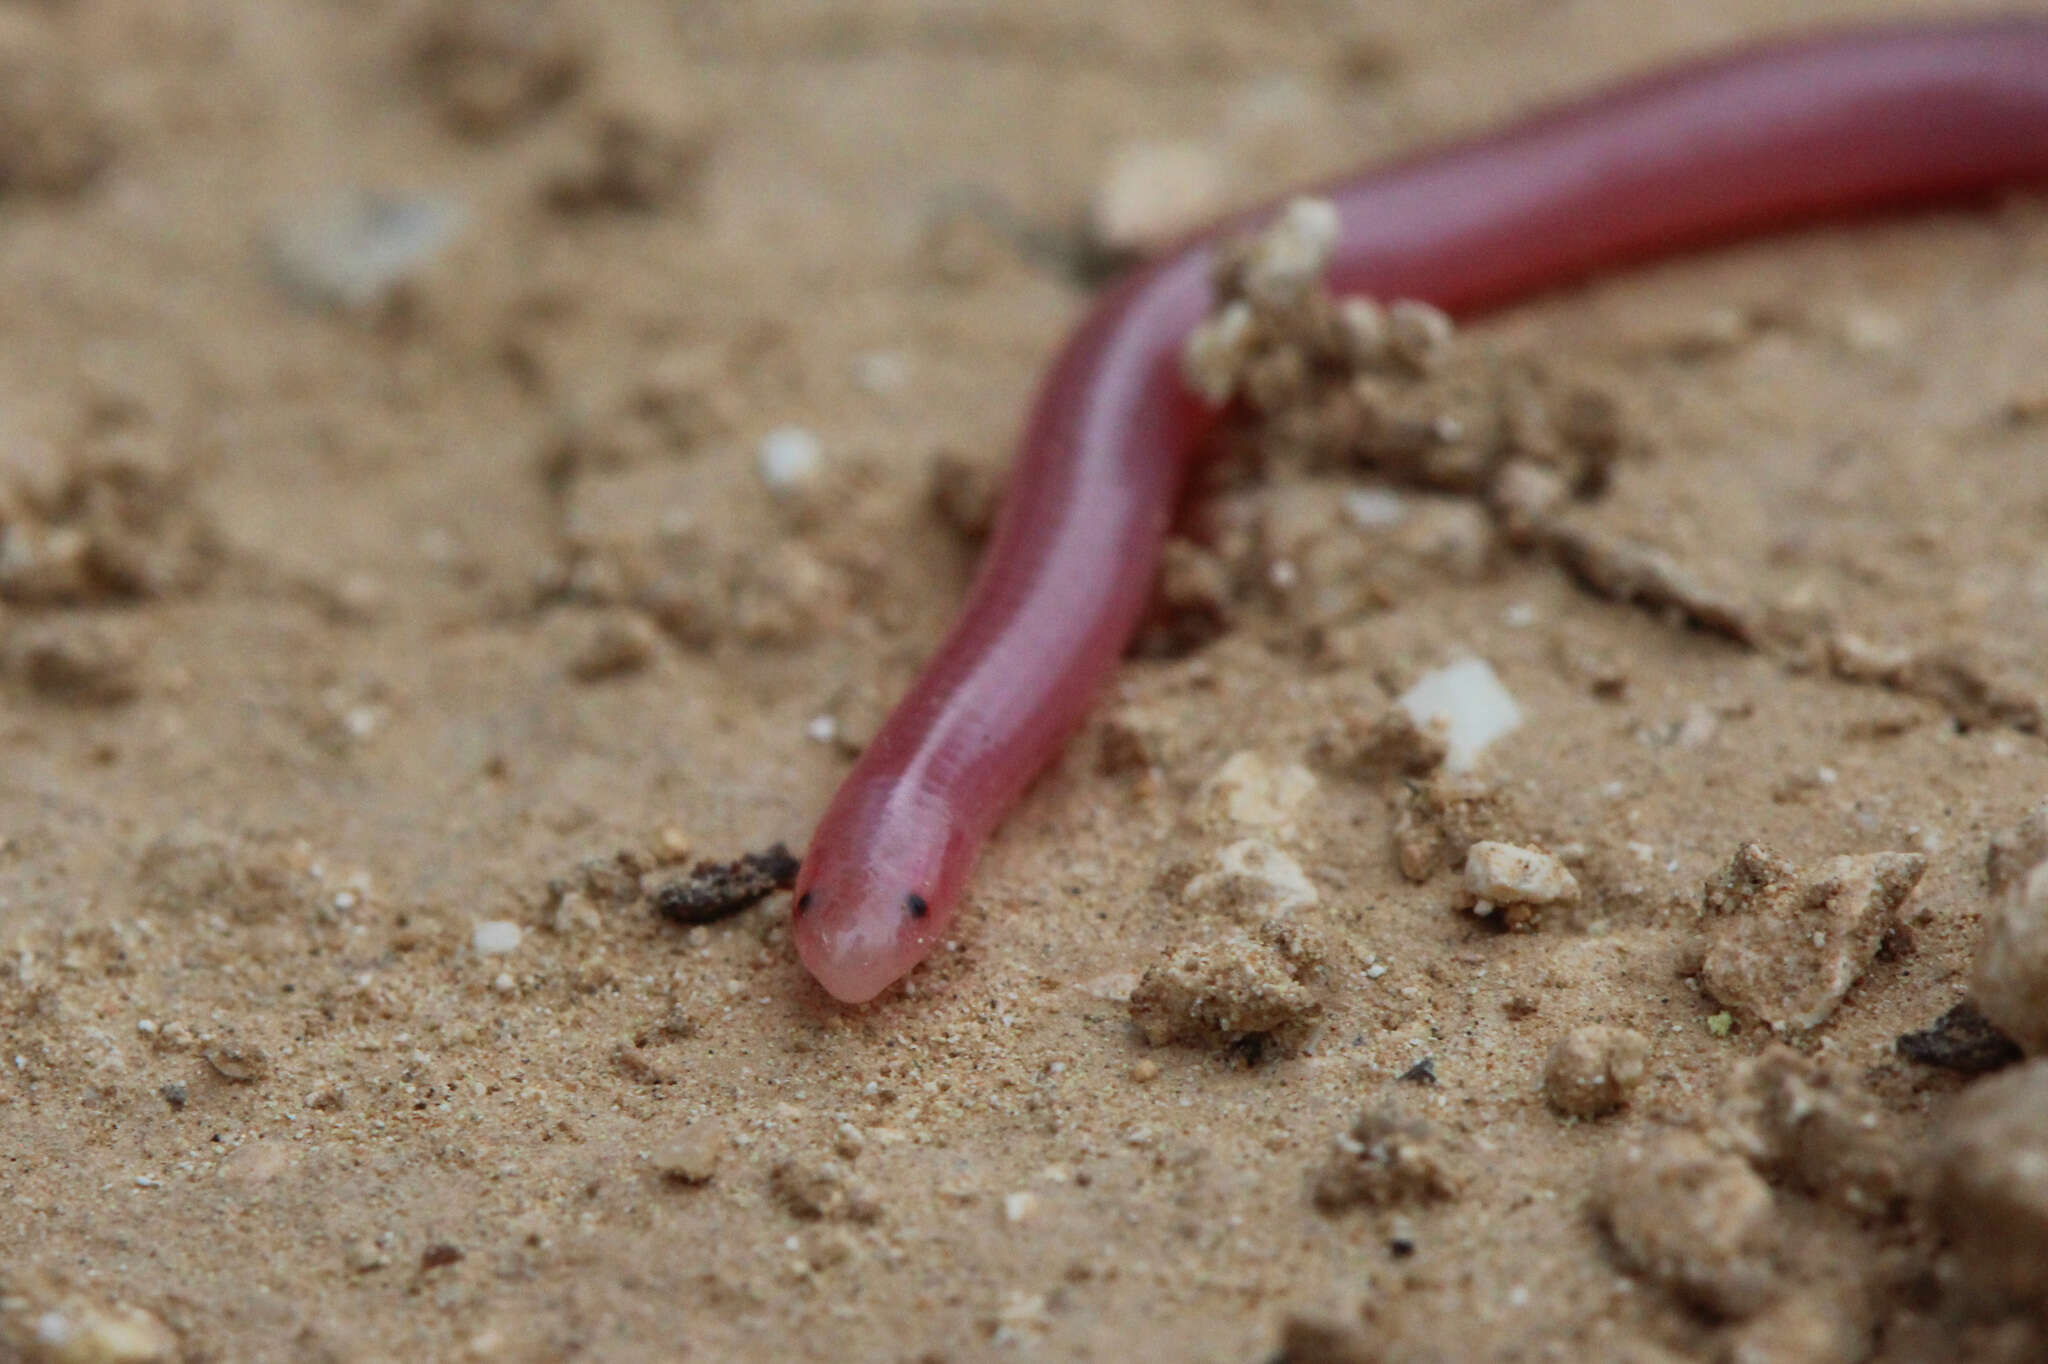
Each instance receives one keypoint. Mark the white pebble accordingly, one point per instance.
(496, 937)
(1153, 192)
(1473, 704)
(353, 248)
(1374, 508)
(789, 455)
(1018, 1206)
(1291, 254)
(822, 729)
(1504, 873)
(884, 373)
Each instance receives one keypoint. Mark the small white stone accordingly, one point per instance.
(496, 937)
(1216, 350)
(1154, 192)
(1375, 508)
(1291, 254)
(1018, 1206)
(1504, 873)
(883, 373)
(822, 729)
(789, 455)
(354, 248)
(1473, 704)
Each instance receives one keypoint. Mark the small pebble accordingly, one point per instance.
(1784, 946)
(1517, 880)
(353, 248)
(1375, 508)
(1985, 1172)
(617, 647)
(1696, 1220)
(2010, 982)
(691, 1157)
(1388, 1160)
(1154, 192)
(789, 456)
(1593, 1070)
(496, 937)
(1470, 700)
(1288, 258)
(242, 1062)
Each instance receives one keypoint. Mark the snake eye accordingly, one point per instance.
(917, 905)
(803, 901)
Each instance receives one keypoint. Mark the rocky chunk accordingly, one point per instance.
(1984, 1179)
(1698, 1221)
(2010, 980)
(93, 530)
(1441, 818)
(1519, 882)
(1805, 1327)
(2017, 851)
(1388, 1160)
(1226, 991)
(1784, 946)
(1367, 745)
(1963, 1040)
(1799, 1122)
(1592, 1070)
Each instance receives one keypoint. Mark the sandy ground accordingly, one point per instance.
(338, 621)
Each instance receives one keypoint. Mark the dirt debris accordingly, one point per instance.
(2013, 853)
(1697, 1221)
(1985, 1181)
(97, 530)
(822, 1190)
(1784, 946)
(1967, 687)
(1390, 1159)
(1368, 744)
(1962, 1040)
(693, 1154)
(2009, 981)
(41, 1322)
(1224, 992)
(1641, 575)
(1592, 1071)
(1442, 817)
(1809, 1327)
(719, 890)
(1806, 1124)
(76, 662)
